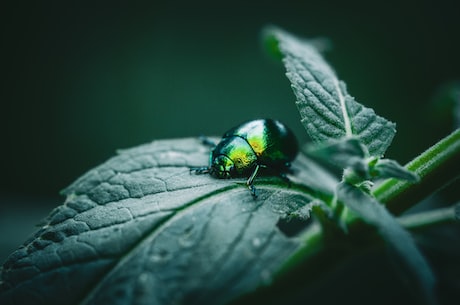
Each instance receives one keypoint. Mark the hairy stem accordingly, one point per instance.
(437, 167)
(429, 218)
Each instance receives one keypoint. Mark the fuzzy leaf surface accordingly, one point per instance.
(327, 110)
(387, 168)
(344, 153)
(141, 229)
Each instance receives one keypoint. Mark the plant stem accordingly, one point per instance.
(429, 218)
(437, 167)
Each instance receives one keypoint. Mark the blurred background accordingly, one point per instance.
(82, 80)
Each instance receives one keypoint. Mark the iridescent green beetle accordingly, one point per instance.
(244, 149)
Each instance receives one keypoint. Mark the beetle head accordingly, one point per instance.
(222, 167)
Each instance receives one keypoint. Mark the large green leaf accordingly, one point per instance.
(328, 112)
(141, 229)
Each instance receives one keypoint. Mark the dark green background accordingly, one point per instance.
(82, 80)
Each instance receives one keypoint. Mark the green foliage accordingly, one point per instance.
(141, 229)
(328, 112)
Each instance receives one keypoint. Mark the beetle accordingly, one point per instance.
(246, 148)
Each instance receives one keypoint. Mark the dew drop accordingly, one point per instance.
(266, 277)
(143, 284)
(187, 238)
(161, 256)
(143, 278)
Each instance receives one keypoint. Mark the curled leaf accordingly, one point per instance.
(387, 168)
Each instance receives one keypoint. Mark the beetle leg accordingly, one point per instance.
(253, 191)
(204, 169)
(200, 170)
(250, 182)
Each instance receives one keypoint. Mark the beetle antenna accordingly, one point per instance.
(207, 141)
(200, 170)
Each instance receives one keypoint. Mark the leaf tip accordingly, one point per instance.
(270, 41)
(457, 211)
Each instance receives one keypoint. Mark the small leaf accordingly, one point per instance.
(387, 168)
(343, 153)
(349, 153)
(141, 229)
(327, 110)
(429, 218)
(413, 264)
